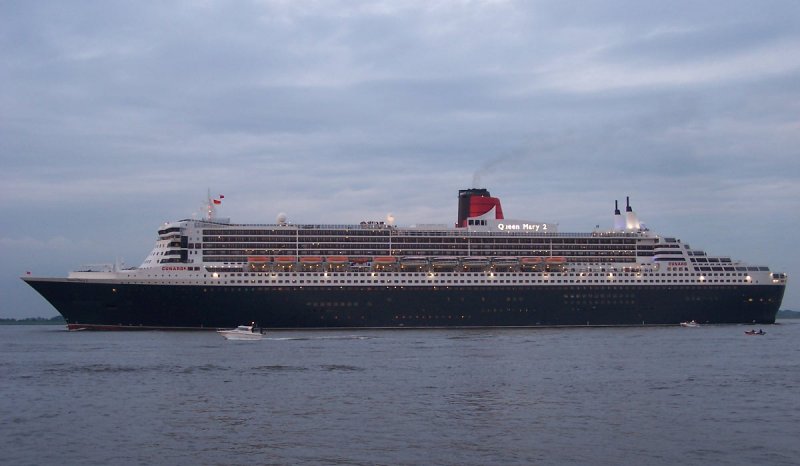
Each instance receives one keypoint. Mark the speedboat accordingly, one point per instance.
(755, 332)
(691, 323)
(242, 332)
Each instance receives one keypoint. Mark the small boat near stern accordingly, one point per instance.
(242, 332)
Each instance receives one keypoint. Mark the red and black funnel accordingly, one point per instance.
(476, 202)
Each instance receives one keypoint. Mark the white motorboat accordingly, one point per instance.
(691, 323)
(242, 332)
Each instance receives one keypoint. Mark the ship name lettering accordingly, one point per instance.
(524, 226)
(173, 268)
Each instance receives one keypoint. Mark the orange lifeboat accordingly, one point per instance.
(386, 260)
(336, 259)
(556, 260)
(286, 259)
(310, 260)
(258, 259)
(360, 260)
(531, 260)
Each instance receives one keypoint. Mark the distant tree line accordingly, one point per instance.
(57, 320)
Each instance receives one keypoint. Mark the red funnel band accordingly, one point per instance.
(480, 205)
(476, 202)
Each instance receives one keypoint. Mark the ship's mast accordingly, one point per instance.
(210, 209)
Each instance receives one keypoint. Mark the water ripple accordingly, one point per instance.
(551, 397)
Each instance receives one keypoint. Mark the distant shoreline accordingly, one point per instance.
(57, 320)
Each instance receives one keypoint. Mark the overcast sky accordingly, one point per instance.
(118, 116)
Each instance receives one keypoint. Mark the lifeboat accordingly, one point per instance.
(505, 260)
(445, 260)
(475, 261)
(444, 264)
(385, 260)
(336, 259)
(286, 259)
(414, 260)
(555, 260)
(360, 260)
(310, 260)
(252, 259)
(531, 260)
(505, 264)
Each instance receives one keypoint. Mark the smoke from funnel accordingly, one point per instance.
(490, 165)
(536, 148)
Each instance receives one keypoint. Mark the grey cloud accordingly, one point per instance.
(117, 116)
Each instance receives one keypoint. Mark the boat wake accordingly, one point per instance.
(342, 337)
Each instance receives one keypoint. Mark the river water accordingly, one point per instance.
(645, 396)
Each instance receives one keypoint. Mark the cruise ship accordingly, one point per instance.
(485, 271)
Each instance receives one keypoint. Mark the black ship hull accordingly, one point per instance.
(91, 305)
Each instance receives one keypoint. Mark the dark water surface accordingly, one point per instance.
(659, 396)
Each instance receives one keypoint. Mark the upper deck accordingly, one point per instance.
(481, 239)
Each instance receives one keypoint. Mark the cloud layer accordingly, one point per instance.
(117, 116)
